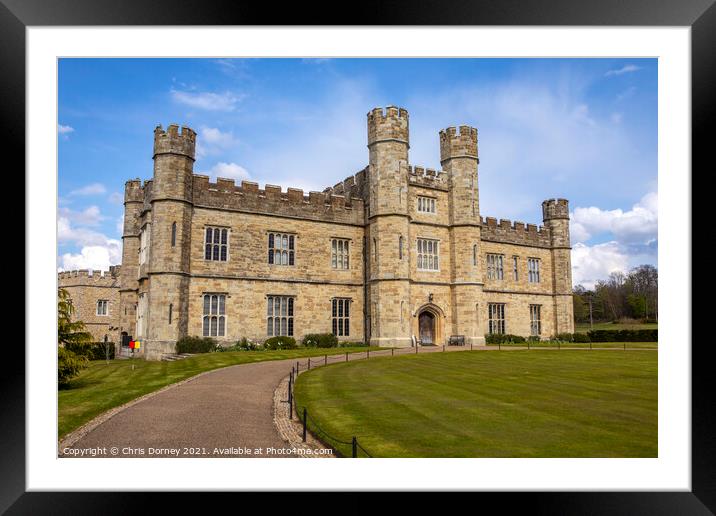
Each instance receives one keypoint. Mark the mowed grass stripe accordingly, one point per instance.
(104, 386)
(491, 404)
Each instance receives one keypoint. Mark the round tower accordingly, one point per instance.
(459, 158)
(133, 203)
(387, 265)
(555, 213)
(170, 238)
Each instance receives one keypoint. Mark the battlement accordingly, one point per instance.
(509, 232)
(389, 124)
(172, 141)
(428, 177)
(555, 209)
(458, 143)
(248, 197)
(133, 191)
(355, 186)
(90, 277)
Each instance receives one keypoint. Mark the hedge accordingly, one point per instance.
(196, 345)
(624, 335)
(280, 342)
(503, 338)
(320, 340)
(91, 350)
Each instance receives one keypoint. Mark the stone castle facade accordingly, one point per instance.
(95, 297)
(394, 255)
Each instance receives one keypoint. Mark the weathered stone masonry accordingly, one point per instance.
(86, 288)
(376, 211)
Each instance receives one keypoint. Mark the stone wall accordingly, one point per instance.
(86, 288)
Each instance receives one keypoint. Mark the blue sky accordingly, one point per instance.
(583, 129)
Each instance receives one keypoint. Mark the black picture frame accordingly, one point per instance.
(700, 15)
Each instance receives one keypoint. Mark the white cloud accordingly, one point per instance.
(97, 251)
(592, 263)
(116, 198)
(636, 226)
(212, 141)
(207, 100)
(624, 69)
(93, 257)
(91, 189)
(227, 171)
(90, 216)
(65, 129)
(616, 118)
(120, 225)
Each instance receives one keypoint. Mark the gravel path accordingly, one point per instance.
(223, 413)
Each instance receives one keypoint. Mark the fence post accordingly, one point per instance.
(355, 447)
(624, 345)
(392, 352)
(528, 344)
(290, 398)
(309, 363)
(304, 424)
(590, 344)
(499, 346)
(325, 360)
(346, 356)
(296, 366)
(558, 345)
(471, 346)
(443, 347)
(416, 348)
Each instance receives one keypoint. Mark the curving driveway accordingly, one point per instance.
(223, 413)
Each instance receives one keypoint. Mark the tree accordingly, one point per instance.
(73, 333)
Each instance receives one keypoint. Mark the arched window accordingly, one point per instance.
(400, 247)
(474, 255)
(174, 234)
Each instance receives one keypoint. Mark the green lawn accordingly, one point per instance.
(102, 386)
(582, 345)
(584, 327)
(490, 404)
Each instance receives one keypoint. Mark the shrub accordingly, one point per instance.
(69, 365)
(91, 350)
(246, 345)
(280, 342)
(581, 337)
(497, 338)
(624, 335)
(356, 344)
(564, 337)
(196, 345)
(533, 338)
(320, 340)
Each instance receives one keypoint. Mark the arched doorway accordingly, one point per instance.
(426, 327)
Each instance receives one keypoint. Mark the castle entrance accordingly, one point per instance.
(426, 324)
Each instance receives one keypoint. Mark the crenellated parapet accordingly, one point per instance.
(427, 177)
(271, 200)
(389, 124)
(174, 141)
(352, 186)
(507, 232)
(90, 277)
(133, 191)
(458, 143)
(555, 209)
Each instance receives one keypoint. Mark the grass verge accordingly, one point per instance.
(490, 404)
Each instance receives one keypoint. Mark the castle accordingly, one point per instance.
(95, 297)
(395, 255)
